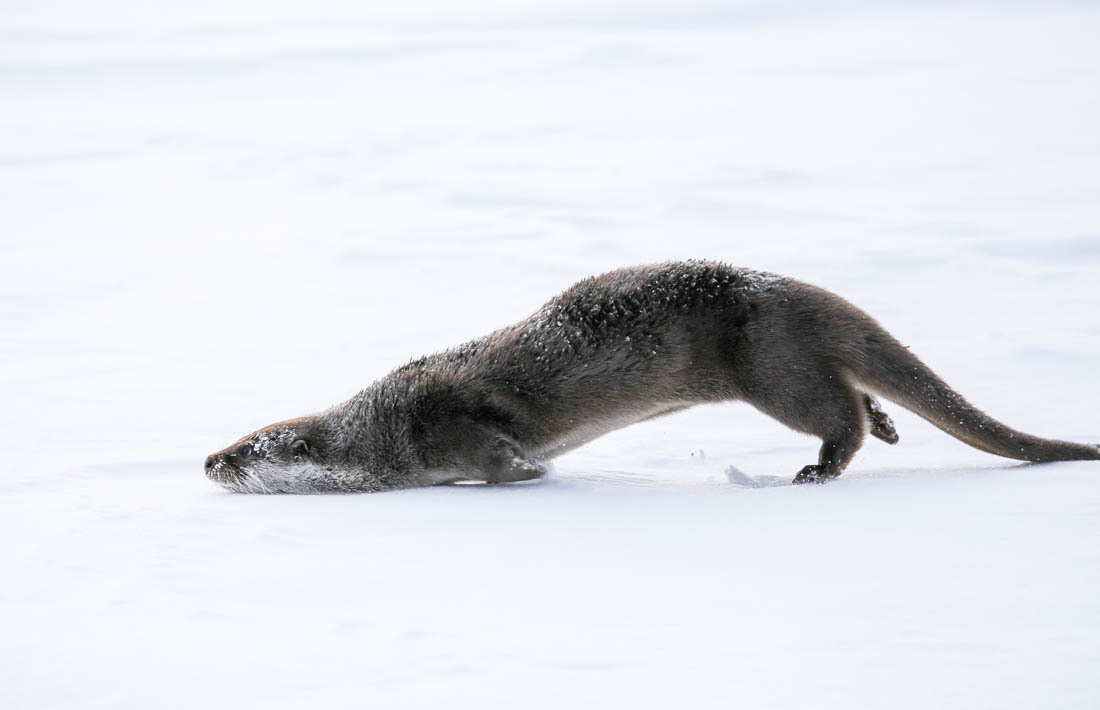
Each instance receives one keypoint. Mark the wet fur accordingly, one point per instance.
(613, 350)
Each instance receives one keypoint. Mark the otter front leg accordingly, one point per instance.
(518, 470)
(506, 464)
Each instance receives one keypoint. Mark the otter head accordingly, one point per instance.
(281, 458)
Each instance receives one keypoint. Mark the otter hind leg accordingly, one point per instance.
(824, 406)
(882, 426)
(836, 452)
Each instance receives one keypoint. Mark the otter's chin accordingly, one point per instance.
(289, 477)
(242, 483)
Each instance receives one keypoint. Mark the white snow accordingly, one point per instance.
(217, 215)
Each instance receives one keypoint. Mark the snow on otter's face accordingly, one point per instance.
(272, 460)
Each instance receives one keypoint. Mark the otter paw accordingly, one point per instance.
(519, 469)
(529, 466)
(813, 473)
(883, 428)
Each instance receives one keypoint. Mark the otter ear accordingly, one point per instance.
(299, 448)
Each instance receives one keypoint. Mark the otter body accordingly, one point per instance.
(613, 350)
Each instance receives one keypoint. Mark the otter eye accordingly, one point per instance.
(246, 451)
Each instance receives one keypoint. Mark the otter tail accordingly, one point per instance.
(884, 366)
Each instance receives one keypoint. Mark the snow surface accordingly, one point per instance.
(217, 215)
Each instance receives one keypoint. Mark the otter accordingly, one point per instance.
(613, 350)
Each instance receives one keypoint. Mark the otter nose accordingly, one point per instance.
(209, 463)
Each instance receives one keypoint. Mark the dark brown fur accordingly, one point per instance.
(613, 350)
